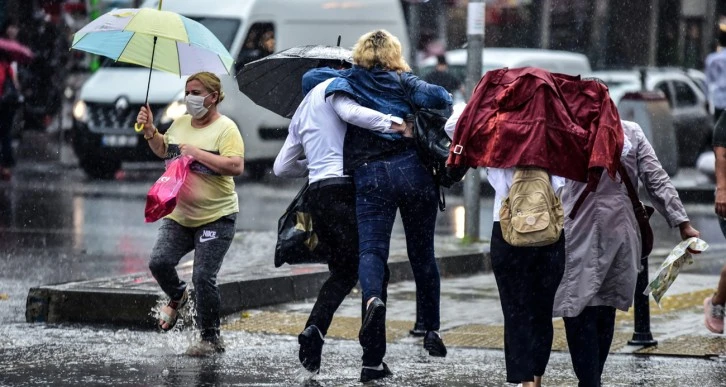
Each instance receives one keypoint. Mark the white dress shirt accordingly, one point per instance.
(499, 178)
(316, 133)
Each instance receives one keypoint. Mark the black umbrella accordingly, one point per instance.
(275, 82)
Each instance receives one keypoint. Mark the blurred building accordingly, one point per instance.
(612, 33)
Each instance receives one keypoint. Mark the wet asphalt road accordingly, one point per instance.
(55, 226)
(70, 356)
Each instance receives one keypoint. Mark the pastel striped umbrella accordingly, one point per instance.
(155, 39)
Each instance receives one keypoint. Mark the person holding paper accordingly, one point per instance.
(603, 251)
(713, 307)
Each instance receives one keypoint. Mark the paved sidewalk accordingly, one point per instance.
(472, 317)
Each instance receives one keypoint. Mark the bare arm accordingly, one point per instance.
(720, 153)
(151, 134)
(224, 165)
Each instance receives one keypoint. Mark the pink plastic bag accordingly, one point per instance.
(161, 199)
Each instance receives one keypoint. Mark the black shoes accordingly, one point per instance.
(374, 322)
(368, 374)
(311, 348)
(418, 330)
(434, 344)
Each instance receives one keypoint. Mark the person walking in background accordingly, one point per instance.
(10, 99)
(389, 176)
(715, 69)
(207, 206)
(713, 307)
(443, 77)
(314, 147)
(603, 253)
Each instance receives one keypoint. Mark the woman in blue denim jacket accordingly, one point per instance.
(389, 176)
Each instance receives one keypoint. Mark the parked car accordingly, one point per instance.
(689, 106)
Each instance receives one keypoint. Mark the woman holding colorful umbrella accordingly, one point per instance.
(207, 205)
(205, 214)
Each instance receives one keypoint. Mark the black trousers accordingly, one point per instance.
(589, 337)
(7, 114)
(527, 278)
(332, 208)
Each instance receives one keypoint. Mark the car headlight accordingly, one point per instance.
(80, 111)
(175, 110)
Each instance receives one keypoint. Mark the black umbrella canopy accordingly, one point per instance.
(275, 82)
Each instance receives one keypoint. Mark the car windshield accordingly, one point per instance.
(224, 29)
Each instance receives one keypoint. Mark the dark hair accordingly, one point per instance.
(441, 59)
(335, 64)
(722, 35)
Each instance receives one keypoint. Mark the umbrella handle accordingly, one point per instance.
(138, 127)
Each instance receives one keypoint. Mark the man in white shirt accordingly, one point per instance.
(314, 147)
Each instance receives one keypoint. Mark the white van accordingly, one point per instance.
(104, 114)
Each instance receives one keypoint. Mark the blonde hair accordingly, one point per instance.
(210, 82)
(379, 48)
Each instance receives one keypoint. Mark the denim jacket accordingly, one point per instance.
(384, 91)
(381, 90)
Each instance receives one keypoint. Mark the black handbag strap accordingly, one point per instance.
(632, 193)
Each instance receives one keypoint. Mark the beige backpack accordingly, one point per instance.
(532, 214)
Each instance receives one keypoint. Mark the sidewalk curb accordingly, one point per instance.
(88, 303)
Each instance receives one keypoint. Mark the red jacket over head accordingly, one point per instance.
(531, 117)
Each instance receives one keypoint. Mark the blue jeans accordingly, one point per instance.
(398, 182)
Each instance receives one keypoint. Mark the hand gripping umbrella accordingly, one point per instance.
(134, 35)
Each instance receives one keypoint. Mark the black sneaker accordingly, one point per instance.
(374, 323)
(434, 344)
(368, 374)
(311, 348)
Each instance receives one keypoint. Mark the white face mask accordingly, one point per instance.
(195, 105)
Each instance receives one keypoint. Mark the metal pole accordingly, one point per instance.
(653, 33)
(641, 331)
(475, 37)
(545, 22)
(414, 33)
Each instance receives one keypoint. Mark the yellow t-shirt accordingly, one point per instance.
(206, 195)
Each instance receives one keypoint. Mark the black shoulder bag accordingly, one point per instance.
(432, 146)
(297, 242)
